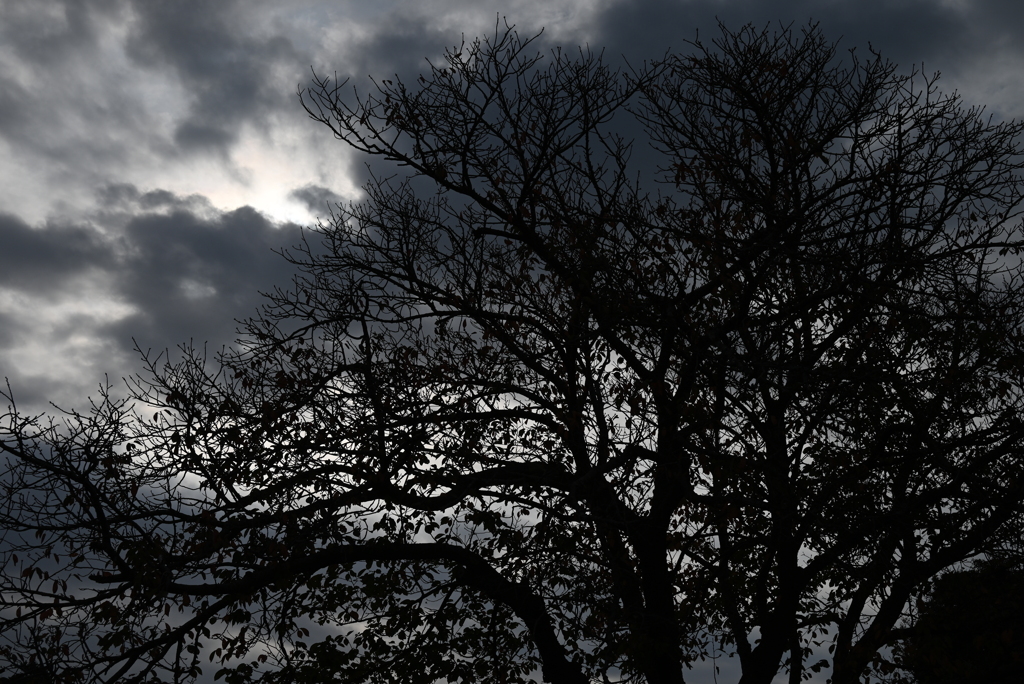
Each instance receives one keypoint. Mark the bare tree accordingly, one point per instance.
(525, 413)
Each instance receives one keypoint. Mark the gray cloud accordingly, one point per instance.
(94, 93)
(226, 73)
(195, 276)
(400, 45)
(126, 200)
(320, 201)
(49, 83)
(44, 260)
(648, 29)
(54, 32)
(148, 268)
(197, 99)
(960, 39)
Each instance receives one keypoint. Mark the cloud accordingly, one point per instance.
(58, 110)
(974, 43)
(51, 33)
(228, 73)
(191, 275)
(44, 261)
(648, 29)
(317, 199)
(161, 93)
(195, 102)
(150, 268)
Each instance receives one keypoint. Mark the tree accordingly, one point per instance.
(968, 630)
(525, 414)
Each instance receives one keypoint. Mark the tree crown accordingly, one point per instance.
(523, 413)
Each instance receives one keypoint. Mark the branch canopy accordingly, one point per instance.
(535, 408)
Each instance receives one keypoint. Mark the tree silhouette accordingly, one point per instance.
(969, 628)
(525, 414)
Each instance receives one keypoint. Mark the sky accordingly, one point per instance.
(154, 154)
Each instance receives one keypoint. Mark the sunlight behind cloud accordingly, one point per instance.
(272, 164)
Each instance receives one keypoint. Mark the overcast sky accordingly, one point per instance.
(152, 154)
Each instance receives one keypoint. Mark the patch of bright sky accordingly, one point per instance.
(265, 167)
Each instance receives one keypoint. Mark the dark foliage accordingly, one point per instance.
(526, 415)
(970, 629)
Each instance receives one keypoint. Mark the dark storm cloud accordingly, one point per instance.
(184, 270)
(44, 260)
(320, 201)
(52, 34)
(190, 277)
(909, 32)
(189, 270)
(659, 25)
(225, 71)
(399, 46)
(48, 47)
(125, 200)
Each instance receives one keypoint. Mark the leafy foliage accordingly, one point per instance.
(525, 415)
(968, 629)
